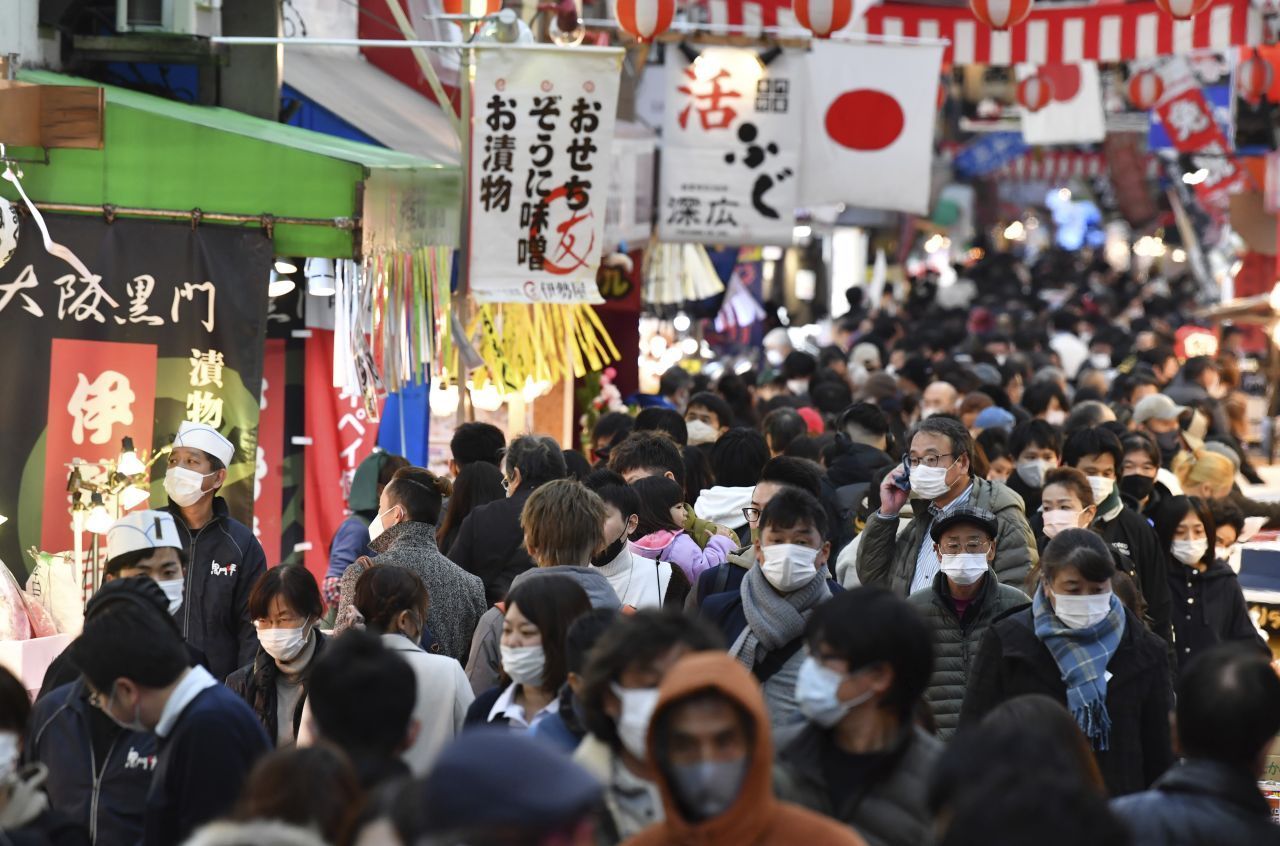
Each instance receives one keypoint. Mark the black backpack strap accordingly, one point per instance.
(776, 660)
(721, 580)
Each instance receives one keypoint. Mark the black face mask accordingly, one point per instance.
(610, 552)
(1137, 486)
(1170, 443)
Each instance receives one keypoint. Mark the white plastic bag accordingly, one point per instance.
(55, 585)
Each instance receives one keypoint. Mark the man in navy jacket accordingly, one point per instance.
(136, 669)
(224, 559)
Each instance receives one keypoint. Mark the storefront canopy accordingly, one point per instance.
(164, 155)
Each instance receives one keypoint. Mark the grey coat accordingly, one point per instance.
(456, 596)
(956, 640)
(889, 811)
(888, 560)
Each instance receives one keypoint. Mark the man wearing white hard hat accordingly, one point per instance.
(224, 559)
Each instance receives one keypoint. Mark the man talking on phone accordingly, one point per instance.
(937, 474)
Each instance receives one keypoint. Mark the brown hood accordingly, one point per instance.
(754, 808)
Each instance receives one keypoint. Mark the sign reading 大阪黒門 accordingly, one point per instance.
(169, 326)
(540, 173)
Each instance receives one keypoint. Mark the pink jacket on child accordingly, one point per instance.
(681, 550)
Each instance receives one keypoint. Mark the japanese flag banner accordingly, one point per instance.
(868, 127)
(730, 157)
(1074, 114)
(541, 144)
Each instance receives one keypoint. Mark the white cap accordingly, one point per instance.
(203, 437)
(142, 530)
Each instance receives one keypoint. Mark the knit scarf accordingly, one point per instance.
(1082, 656)
(774, 619)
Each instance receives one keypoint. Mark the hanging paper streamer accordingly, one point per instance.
(529, 345)
(678, 273)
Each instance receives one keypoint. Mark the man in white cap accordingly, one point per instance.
(224, 558)
(146, 543)
(1161, 417)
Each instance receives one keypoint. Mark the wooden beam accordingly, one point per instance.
(51, 115)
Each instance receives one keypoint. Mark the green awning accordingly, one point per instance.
(162, 154)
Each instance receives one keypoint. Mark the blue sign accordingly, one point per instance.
(1219, 99)
(989, 153)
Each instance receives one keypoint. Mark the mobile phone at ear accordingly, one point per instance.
(902, 480)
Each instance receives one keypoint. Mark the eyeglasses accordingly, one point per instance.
(927, 461)
(972, 547)
(97, 700)
(751, 515)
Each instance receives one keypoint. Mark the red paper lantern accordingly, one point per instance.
(1253, 78)
(645, 19)
(1145, 89)
(1001, 14)
(1034, 93)
(1183, 10)
(463, 7)
(823, 17)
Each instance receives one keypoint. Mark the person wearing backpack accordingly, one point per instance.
(764, 620)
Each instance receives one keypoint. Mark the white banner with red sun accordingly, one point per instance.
(868, 130)
(730, 163)
(541, 147)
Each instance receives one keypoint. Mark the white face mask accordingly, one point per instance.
(817, 694)
(964, 568)
(173, 589)
(1081, 612)
(10, 749)
(1102, 488)
(184, 487)
(788, 566)
(701, 433)
(799, 387)
(1056, 521)
(1032, 472)
(637, 709)
(283, 644)
(1100, 361)
(1224, 553)
(1189, 551)
(524, 664)
(376, 526)
(930, 482)
(1056, 417)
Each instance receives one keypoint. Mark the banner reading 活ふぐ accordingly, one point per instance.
(169, 327)
(540, 168)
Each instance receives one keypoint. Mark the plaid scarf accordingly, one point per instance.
(1082, 656)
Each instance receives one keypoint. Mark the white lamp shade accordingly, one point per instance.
(280, 285)
(130, 464)
(99, 521)
(285, 266)
(321, 278)
(133, 496)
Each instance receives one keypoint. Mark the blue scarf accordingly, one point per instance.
(1082, 656)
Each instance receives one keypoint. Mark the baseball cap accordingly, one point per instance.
(1157, 407)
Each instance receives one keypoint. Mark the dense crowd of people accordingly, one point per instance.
(962, 577)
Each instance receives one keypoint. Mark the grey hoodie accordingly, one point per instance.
(485, 662)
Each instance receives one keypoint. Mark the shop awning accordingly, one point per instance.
(377, 103)
(163, 155)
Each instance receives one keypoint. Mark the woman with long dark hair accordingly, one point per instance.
(477, 484)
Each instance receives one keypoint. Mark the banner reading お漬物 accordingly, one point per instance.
(540, 167)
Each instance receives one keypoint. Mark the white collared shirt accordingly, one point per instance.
(196, 681)
(506, 706)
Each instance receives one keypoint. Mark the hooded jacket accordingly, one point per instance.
(224, 561)
(485, 660)
(757, 817)
(1199, 803)
(956, 640)
(723, 505)
(456, 596)
(351, 540)
(887, 558)
(104, 796)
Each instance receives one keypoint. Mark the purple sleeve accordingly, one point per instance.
(717, 550)
(685, 554)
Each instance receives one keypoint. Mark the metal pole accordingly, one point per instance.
(397, 42)
(347, 223)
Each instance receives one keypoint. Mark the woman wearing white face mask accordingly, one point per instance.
(285, 606)
(537, 617)
(1066, 503)
(1078, 644)
(1208, 605)
(959, 606)
(870, 656)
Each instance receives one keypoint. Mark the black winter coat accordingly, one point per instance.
(1131, 535)
(1013, 661)
(490, 544)
(256, 684)
(1199, 803)
(1210, 608)
(956, 640)
(224, 561)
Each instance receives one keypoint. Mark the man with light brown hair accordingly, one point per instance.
(563, 525)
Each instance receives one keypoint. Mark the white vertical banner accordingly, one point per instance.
(1074, 114)
(730, 150)
(541, 145)
(868, 128)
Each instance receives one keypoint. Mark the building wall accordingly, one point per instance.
(323, 19)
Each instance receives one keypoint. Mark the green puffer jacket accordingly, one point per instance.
(956, 641)
(888, 560)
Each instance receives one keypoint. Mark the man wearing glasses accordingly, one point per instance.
(960, 604)
(937, 473)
